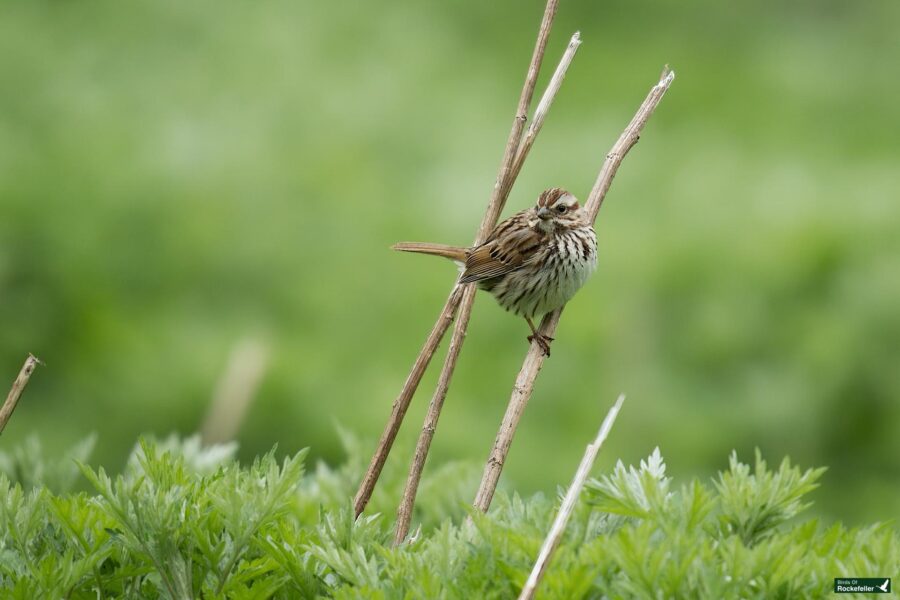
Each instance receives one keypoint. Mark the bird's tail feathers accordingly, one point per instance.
(452, 252)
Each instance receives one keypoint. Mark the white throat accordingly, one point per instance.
(546, 226)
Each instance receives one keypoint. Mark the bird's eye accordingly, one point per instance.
(561, 208)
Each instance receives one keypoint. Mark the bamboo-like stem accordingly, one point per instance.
(404, 512)
(401, 404)
(492, 214)
(543, 107)
(626, 142)
(503, 183)
(534, 360)
(568, 504)
(18, 386)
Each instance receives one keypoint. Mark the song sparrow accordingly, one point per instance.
(533, 262)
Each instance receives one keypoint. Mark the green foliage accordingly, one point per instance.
(188, 522)
(28, 464)
(176, 176)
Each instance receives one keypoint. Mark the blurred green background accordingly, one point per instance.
(177, 177)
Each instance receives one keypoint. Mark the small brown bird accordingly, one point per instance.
(533, 262)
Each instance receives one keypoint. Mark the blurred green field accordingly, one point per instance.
(176, 177)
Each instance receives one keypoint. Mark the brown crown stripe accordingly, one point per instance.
(548, 197)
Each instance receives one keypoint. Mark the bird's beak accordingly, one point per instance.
(543, 213)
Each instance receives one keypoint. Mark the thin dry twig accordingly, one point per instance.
(503, 183)
(534, 360)
(626, 142)
(235, 391)
(543, 107)
(18, 387)
(404, 512)
(568, 504)
(401, 404)
(492, 214)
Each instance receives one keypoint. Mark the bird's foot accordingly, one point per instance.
(542, 340)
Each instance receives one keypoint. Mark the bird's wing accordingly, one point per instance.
(511, 245)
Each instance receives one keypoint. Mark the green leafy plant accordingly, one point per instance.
(184, 521)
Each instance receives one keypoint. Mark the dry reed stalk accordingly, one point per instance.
(492, 214)
(543, 107)
(568, 504)
(18, 386)
(534, 360)
(404, 512)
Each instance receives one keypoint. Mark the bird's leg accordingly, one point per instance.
(542, 340)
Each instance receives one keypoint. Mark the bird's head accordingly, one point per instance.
(558, 209)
